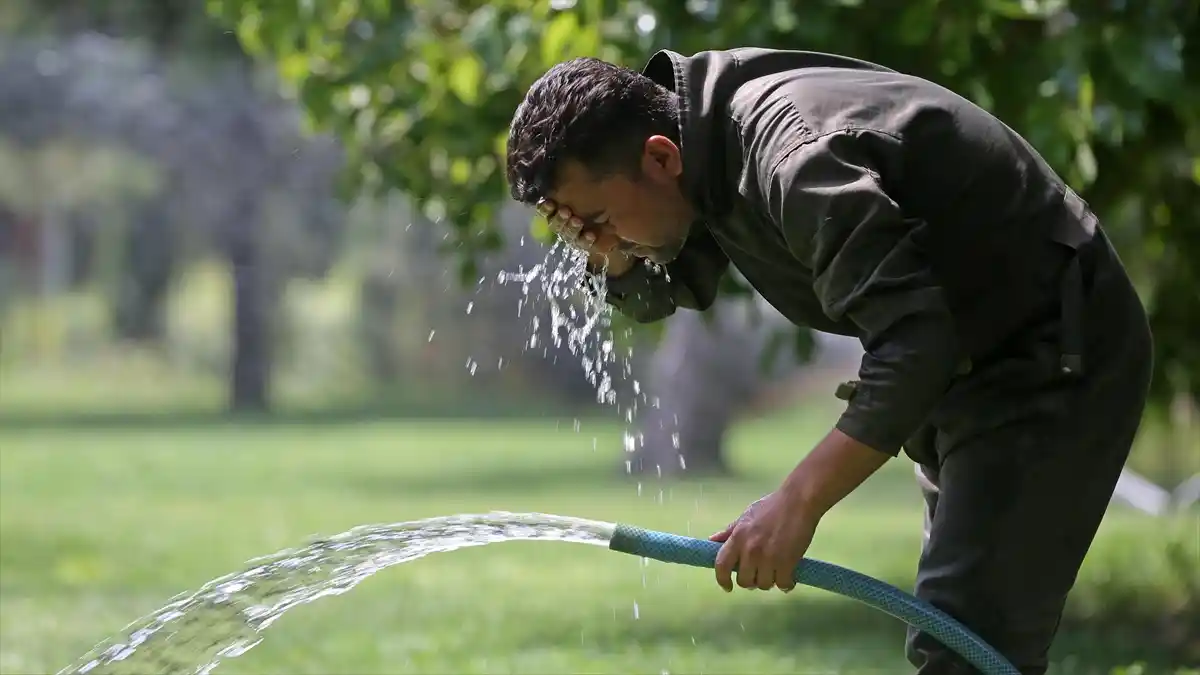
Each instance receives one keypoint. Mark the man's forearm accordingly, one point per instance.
(834, 469)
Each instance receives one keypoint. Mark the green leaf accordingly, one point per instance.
(563, 29)
(466, 79)
(294, 67)
(1085, 163)
(540, 230)
(805, 344)
(1087, 99)
(771, 352)
(460, 170)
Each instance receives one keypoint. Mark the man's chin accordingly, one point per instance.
(664, 254)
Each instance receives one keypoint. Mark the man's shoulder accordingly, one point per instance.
(778, 112)
(772, 115)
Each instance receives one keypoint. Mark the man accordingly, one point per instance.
(865, 202)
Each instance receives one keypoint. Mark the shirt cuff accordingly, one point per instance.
(859, 422)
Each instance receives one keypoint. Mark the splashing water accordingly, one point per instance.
(584, 327)
(557, 280)
(224, 618)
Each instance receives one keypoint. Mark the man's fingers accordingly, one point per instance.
(727, 559)
(560, 222)
(785, 579)
(748, 566)
(784, 573)
(570, 229)
(565, 225)
(766, 576)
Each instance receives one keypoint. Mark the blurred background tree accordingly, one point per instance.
(421, 94)
(414, 98)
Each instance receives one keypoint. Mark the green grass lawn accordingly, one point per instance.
(100, 526)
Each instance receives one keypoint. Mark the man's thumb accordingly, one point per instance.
(723, 535)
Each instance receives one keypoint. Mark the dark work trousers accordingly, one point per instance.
(1019, 461)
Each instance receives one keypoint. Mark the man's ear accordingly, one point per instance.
(661, 158)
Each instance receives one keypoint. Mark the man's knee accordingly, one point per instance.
(931, 658)
(1022, 638)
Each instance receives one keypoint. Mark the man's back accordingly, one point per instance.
(956, 165)
(973, 195)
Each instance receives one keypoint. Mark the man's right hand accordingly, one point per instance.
(601, 247)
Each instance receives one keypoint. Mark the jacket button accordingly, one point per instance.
(846, 390)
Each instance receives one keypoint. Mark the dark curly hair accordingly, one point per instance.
(587, 110)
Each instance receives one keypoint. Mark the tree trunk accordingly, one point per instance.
(139, 312)
(379, 304)
(706, 371)
(54, 251)
(254, 303)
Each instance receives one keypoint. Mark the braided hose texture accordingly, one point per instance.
(884, 597)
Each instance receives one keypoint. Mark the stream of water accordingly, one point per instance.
(225, 618)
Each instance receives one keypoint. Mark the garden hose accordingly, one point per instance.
(673, 548)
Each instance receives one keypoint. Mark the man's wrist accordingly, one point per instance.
(834, 469)
(803, 494)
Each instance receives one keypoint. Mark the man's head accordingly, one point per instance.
(603, 141)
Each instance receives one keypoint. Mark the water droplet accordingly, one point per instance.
(470, 306)
(431, 334)
(637, 612)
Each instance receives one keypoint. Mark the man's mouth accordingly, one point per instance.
(662, 256)
(638, 250)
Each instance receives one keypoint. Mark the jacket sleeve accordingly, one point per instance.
(649, 292)
(826, 197)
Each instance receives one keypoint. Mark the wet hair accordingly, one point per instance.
(590, 111)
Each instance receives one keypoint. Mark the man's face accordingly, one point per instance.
(645, 215)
